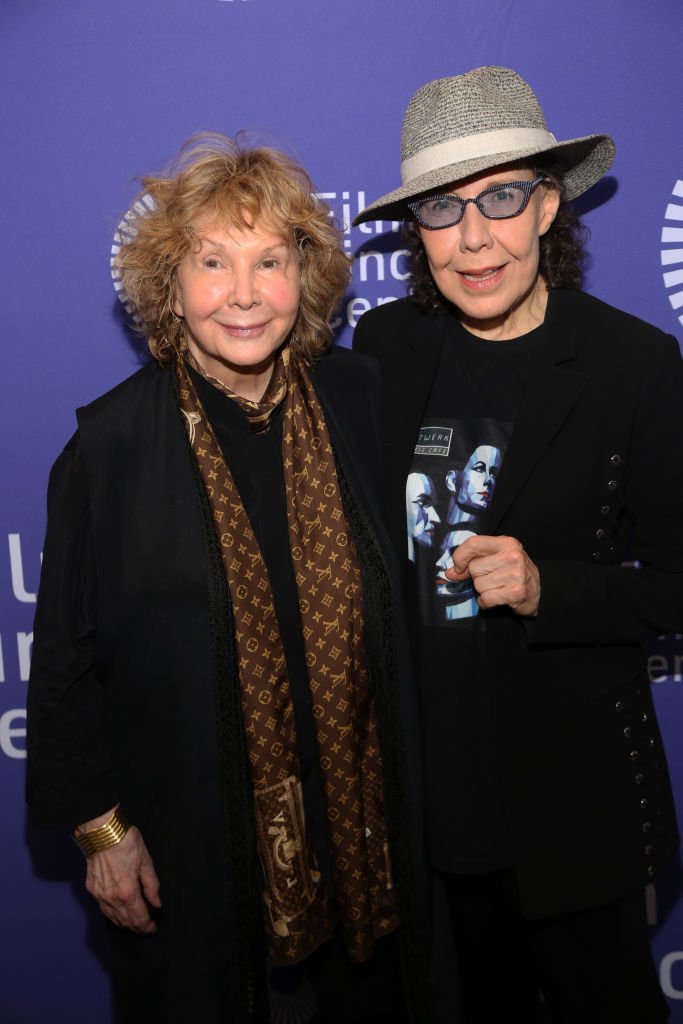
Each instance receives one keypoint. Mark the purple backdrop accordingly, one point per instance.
(97, 92)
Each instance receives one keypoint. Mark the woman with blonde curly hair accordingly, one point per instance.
(218, 701)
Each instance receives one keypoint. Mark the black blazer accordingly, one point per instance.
(593, 476)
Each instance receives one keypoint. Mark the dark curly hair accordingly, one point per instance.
(562, 256)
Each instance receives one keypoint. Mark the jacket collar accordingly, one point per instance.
(416, 368)
(553, 389)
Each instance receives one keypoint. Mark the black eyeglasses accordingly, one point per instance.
(497, 202)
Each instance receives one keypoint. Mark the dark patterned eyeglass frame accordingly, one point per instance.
(527, 188)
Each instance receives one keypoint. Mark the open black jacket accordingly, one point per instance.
(593, 476)
(134, 694)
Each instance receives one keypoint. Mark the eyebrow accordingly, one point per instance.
(511, 180)
(212, 243)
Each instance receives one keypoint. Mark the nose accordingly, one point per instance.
(433, 515)
(243, 290)
(475, 230)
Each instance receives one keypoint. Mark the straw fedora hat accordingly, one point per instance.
(459, 126)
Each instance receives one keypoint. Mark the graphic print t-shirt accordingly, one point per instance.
(458, 458)
(450, 487)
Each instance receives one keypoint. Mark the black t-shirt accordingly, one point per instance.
(457, 460)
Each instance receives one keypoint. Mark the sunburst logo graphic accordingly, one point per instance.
(126, 232)
(673, 257)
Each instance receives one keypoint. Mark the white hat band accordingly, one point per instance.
(505, 140)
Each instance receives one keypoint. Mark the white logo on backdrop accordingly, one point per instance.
(673, 257)
(126, 232)
(16, 647)
(13, 733)
(666, 974)
(665, 664)
(374, 267)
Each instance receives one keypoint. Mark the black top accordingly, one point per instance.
(458, 456)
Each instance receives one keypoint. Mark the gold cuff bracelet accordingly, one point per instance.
(101, 838)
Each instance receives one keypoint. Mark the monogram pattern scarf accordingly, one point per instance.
(298, 911)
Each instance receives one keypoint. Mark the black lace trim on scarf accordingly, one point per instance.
(381, 660)
(246, 971)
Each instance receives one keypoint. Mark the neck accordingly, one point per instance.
(526, 315)
(250, 384)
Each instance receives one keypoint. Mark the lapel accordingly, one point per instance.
(408, 378)
(409, 361)
(354, 449)
(552, 390)
(340, 411)
(348, 426)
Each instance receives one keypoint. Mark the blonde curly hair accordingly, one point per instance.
(236, 185)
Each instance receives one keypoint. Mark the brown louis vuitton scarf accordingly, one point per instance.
(299, 914)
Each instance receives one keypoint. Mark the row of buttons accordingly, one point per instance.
(639, 778)
(605, 509)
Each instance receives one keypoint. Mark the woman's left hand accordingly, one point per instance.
(123, 881)
(501, 571)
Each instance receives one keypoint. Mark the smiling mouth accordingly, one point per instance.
(246, 331)
(481, 277)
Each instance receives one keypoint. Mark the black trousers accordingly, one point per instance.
(592, 967)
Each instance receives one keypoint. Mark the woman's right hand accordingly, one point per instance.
(123, 881)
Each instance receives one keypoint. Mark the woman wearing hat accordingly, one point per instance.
(218, 697)
(549, 806)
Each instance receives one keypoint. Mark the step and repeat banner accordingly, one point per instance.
(96, 93)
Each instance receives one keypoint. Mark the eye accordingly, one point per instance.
(270, 263)
(479, 467)
(440, 204)
(212, 263)
(504, 195)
